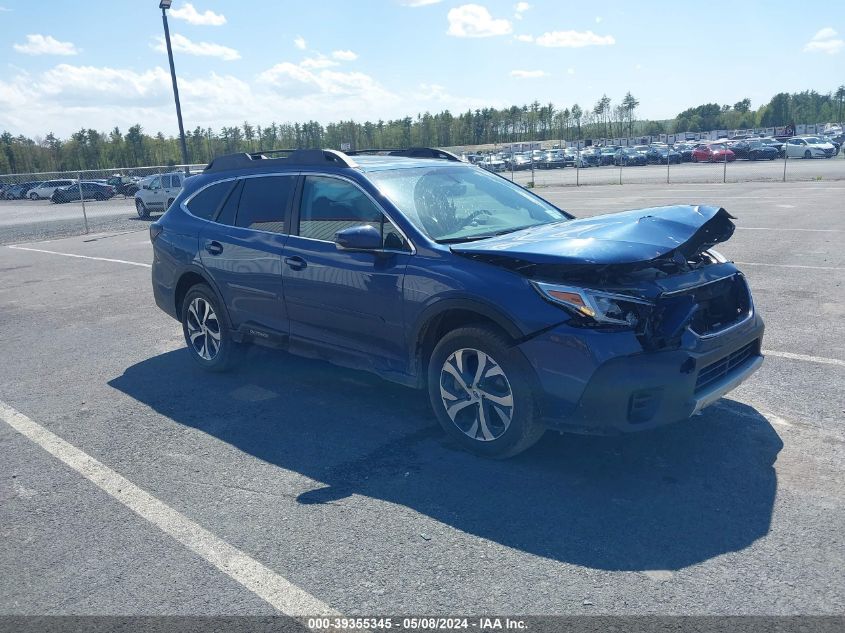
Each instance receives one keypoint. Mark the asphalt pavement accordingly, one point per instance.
(338, 485)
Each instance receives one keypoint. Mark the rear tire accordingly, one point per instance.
(142, 210)
(807, 154)
(206, 330)
(480, 389)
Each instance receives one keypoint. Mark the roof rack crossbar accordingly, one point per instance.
(244, 160)
(409, 152)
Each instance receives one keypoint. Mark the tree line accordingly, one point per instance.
(92, 149)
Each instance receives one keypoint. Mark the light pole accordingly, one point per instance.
(164, 5)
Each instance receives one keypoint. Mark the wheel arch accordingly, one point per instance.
(449, 314)
(189, 278)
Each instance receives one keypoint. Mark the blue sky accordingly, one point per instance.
(67, 65)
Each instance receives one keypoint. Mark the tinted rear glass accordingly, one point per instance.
(205, 204)
(264, 202)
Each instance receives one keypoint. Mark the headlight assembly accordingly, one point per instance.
(601, 307)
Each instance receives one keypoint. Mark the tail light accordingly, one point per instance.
(155, 231)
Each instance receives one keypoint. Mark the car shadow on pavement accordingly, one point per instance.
(658, 500)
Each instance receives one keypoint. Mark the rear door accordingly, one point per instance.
(242, 250)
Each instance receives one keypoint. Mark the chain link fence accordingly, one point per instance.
(593, 167)
(57, 203)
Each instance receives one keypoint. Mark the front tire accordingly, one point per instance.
(142, 210)
(205, 329)
(481, 393)
(807, 154)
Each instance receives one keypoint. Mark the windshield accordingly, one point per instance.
(458, 203)
(717, 147)
(812, 139)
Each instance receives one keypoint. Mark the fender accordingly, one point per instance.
(418, 331)
(194, 268)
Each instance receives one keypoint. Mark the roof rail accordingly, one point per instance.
(410, 152)
(244, 160)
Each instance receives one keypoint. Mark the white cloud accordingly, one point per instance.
(520, 8)
(304, 79)
(528, 74)
(419, 3)
(67, 97)
(570, 71)
(191, 15)
(473, 20)
(345, 56)
(45, 45)
(182, 44)
(825, 41)
(599, 19)
(524, 38)
(5, 10)
(574, 39)
(299, 42)
(318, 62)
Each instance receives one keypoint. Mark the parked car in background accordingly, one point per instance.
(773, 142)
(591, 156)
(685, 150)
(651, 154)
(809, 147)
(45, 189)
(627, 156)
(492, 162)
(712, 153)
(835, 141)
(157, 193)
(754, 149)
(518, 161)
(85, 190)
(667, 154)
(554, 159)
(19, 191)
(607, 153)
(124, 185)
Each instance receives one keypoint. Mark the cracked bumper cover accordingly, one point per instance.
(604, 383)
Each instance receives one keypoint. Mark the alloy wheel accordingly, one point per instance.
(476, 394)
(203, 329)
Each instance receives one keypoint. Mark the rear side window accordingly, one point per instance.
(264, 203)
(205, 204)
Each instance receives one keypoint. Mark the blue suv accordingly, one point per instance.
(437, 274)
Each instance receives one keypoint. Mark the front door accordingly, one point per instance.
(343, 299)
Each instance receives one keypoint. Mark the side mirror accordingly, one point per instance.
(358, 238)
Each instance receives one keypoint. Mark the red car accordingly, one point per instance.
(712, 153)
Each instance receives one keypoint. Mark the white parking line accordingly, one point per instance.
(283, 595)
(789, 266)
(805, 357)
(102, 259)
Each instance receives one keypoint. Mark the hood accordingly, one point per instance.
(630, 237)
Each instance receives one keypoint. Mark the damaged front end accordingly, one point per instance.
(659, 325)
(650, 271)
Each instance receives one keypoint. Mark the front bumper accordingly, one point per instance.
(604, 383)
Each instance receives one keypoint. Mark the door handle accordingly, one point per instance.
(296, 262)
(214, 248)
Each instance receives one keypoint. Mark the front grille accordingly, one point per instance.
(725, 365)
(721, 304)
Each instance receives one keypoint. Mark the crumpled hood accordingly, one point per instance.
(629, 237)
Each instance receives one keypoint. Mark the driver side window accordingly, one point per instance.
(330, 205)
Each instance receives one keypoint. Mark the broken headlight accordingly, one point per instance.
(601, 307)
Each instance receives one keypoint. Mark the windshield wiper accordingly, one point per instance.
(473, 238)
